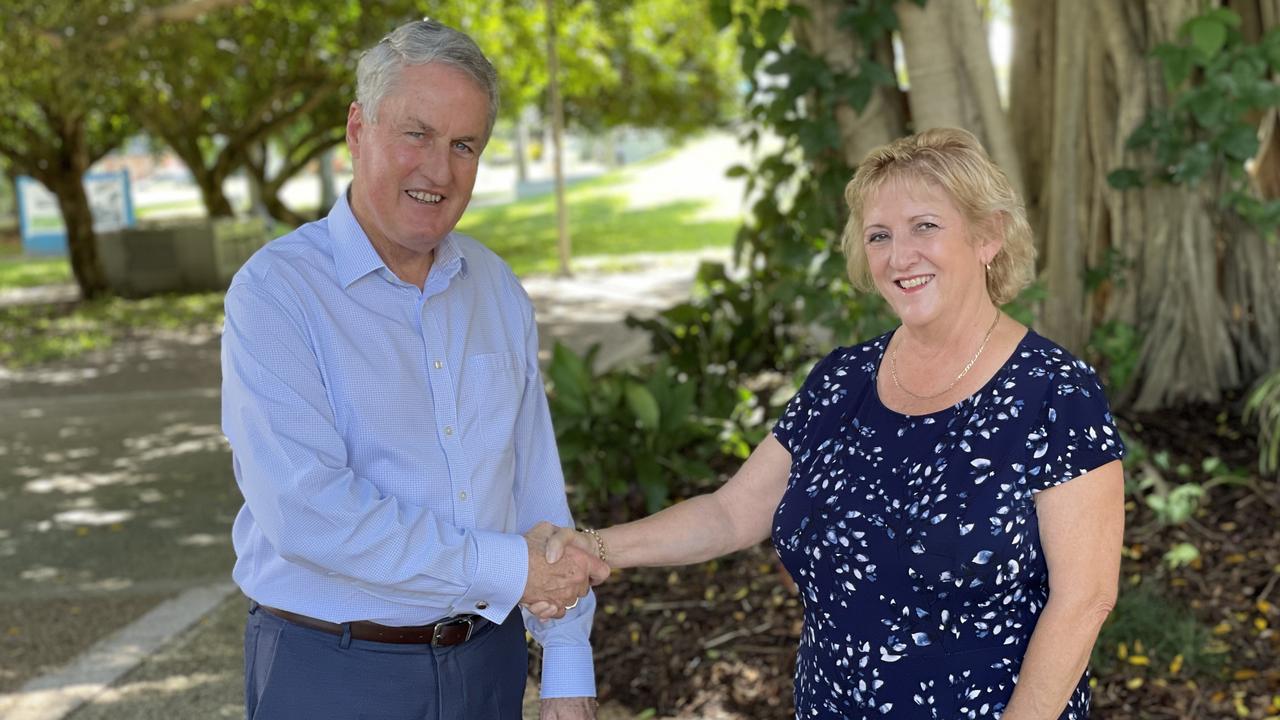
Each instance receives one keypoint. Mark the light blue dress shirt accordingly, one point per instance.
(392, 444)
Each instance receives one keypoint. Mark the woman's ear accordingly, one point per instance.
(993, 238)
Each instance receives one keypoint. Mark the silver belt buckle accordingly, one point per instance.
(469, 621)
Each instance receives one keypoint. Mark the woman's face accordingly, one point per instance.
(921, 254)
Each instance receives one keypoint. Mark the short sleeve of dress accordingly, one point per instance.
(806, 405)
(1076, 433)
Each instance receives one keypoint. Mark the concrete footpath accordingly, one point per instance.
(116, 502)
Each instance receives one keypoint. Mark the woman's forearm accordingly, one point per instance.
(1056, 657)
(692, 531)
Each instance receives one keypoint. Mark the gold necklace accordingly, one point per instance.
(893, 366)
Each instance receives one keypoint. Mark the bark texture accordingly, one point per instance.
(883, 119)
(952, 81)
(1191, 278)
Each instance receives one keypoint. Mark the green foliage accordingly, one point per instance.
(628, 440)
(1117, 347)
(1147, 624)
(1263, 407)
(1219, 83)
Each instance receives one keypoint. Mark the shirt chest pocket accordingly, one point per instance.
(490, 396)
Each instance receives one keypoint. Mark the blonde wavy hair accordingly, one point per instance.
(953, 160)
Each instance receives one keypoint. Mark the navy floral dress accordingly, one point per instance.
(914, 539)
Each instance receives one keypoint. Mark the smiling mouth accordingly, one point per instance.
(424, 198)
(914, 282)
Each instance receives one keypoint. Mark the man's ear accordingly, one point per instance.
(356, 124)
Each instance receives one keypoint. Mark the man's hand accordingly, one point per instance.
(556, 587)
(578, 708)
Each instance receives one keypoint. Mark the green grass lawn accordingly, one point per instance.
(19, 272)
(36, 334)
(524, 232)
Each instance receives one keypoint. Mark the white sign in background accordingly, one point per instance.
(109, 201)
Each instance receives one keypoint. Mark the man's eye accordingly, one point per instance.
(416, 135)
(462, 147)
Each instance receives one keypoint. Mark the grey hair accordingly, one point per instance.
(418, 43)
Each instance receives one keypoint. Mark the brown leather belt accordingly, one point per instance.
(452, 631)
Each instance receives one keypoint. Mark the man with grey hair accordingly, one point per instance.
(390, 432)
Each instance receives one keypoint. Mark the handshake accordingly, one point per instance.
(563, 565)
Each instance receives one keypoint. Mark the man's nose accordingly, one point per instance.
(434, 164)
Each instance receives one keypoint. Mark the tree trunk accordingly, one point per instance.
(1190, 279)
(522, 147)
(328, 193)
(1030, 117)
(82, 243)
(951, 78)
(883, 119)
(216, 204)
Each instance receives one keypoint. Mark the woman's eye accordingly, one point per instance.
(927, 226)
(877, 237)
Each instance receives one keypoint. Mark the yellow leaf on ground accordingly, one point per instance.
(1244, 674)
(1221, 628)
(1234, 558)
(1260, 623)
(1133, 683)
(1265, 607)
(14, 631)
(1122, 651)
(1176, 666)
(1139, 660)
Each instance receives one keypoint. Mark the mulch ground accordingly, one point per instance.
(717, 641)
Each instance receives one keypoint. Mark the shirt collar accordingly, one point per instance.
(354, 255)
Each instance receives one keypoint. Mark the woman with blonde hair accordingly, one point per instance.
(948, 496)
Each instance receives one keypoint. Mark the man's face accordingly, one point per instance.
(416, 166)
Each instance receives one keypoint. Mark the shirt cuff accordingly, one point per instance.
(568, 671)
(497, 583)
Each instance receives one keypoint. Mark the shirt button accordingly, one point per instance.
(462, 495)
(482, 605)
(438, 364)
(448, 429)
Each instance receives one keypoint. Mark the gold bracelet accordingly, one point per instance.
(600, 551)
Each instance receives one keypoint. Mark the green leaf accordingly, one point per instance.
(1177, 63)
(1240, 142)
(570, 378)
(1125, 179)
(737, 171)
(643, 405)
(1181, 554)
(652, 483)
(773, 24)
(878, 74)
(721, 13)
(1208, 35)
(858, 92)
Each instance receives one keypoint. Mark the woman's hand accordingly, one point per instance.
(564, 537)
(557, 541)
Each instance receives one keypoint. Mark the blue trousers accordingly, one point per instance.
(297, 673)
